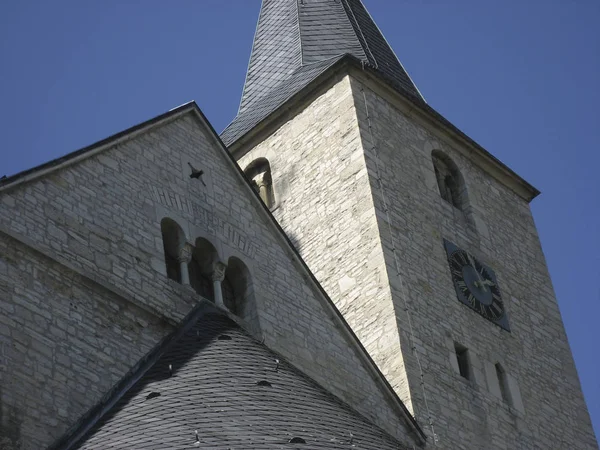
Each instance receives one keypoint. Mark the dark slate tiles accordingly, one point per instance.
(250, 117)
(212, 389)
(293, 39)
(326, 31)
(276, 51)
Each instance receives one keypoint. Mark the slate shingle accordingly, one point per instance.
(272, 99)
(213, 389)
(292, 36)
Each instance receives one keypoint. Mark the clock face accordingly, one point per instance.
(476, 285)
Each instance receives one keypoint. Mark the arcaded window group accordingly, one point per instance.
(198, 265)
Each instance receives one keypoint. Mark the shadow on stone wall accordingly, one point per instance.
(11, 420)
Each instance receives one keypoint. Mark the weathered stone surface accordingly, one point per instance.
(84, 288)
(55, 366)
(326, 166)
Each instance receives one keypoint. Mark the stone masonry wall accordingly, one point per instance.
(328, 200)
(64, 342)
(101, 218)
(323, 202)
(548, 410)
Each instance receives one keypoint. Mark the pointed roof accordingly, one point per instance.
(211, 385)
(297, 40)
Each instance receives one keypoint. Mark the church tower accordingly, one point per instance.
(423, 239)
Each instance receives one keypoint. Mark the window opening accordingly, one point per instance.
(201, 267)
(173, 240)
(462, 357)
(449, 180)
(503, 383)
(229, 295)
(258, 173)
(235, 287)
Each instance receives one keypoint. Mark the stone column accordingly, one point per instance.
(262, 188)
(262, 180)
(184, 258)
(217, 277)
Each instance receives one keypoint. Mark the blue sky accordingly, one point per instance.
(521, 78)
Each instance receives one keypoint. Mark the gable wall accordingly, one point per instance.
(548, 409)
(102, 217)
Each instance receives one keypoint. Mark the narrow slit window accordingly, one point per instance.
(462, 358)
(503, 384)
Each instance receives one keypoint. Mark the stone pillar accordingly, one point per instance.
(184, 258)
(217, 277)
(263, 182)
(263, 188)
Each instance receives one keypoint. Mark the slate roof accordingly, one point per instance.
(296, 41)
(274, 98)
(211, 385)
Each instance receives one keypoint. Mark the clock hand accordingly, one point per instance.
(479, 283)
(472, 263)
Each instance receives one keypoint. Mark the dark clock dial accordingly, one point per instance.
(476, 285)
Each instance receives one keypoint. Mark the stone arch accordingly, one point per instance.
(258, 173)
(201, 267)
(238, 292)
(173, 239)
(450, 181)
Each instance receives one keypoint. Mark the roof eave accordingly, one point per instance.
(97, 147)
(518, 184)
(289, 106)
(479, 155)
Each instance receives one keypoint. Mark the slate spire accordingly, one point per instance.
(296, 40)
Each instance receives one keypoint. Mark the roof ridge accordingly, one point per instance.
(345, 2)
(250, 59)
(92, 149)
(294, 33)
(393, 51)
(300, 32)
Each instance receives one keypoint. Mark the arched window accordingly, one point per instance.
(259, 174)
(201, 267)
(449, 179)
(229, 295)
(237, 289)
(173, 240)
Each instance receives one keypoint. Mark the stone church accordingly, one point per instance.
(340, 268)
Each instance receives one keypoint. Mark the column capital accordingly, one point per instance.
(185, 253)
(262, 179)
(218, 273)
